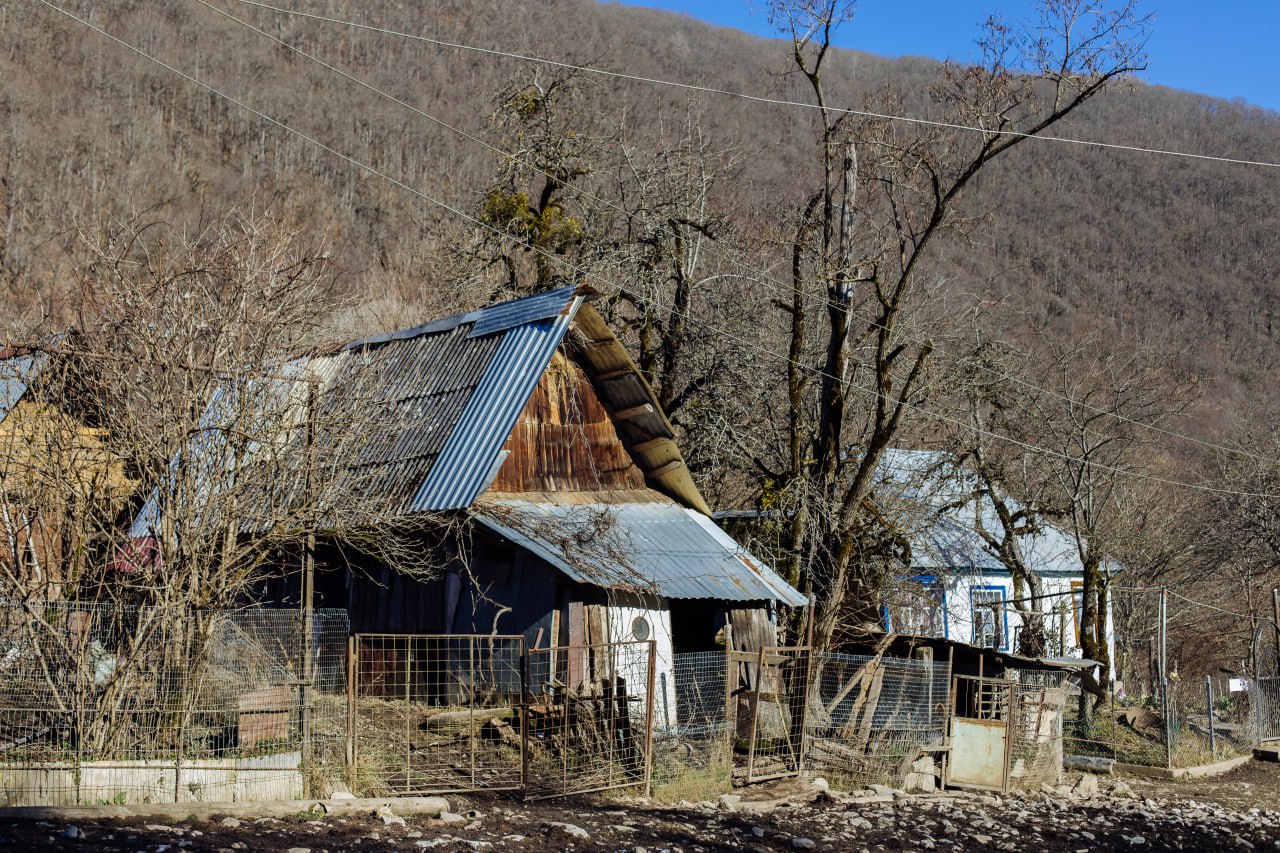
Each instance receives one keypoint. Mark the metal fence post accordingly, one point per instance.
(1164, 675)
(353, 672)
(524, 717)
(1208, 690)
(648, 728)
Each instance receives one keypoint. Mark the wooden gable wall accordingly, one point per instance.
(565, 440)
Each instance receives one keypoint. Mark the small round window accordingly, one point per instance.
(640, 628)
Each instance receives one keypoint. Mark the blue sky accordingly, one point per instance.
(1225, 48)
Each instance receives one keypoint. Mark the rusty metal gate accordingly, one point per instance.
(771, 708)
(431, 714)
(980, 733)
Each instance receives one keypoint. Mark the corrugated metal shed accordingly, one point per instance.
(656, 546)
(938, 517)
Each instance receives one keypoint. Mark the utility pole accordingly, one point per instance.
(1164, 675)
(308, 583)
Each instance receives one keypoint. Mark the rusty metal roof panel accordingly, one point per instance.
(657, 547)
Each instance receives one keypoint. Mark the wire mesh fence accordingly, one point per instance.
(112, 705)
(589, 717)
(1190, 729)
(871, 718)
(693, 731)
(435, 714)
(108, 704)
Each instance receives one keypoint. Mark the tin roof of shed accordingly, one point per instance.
(651, 545)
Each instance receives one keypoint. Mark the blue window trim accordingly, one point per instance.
(1003, 646)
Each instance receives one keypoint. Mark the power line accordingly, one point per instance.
(1203, 604)
(762, 99)
(759, 275)
(587, 274)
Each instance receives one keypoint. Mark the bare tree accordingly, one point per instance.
(997, 397)
(197, 398)
(1100, 452)
(884, 194)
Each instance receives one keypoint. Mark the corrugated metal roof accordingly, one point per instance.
(508, 315)
(16, 375)
(464, 464)
(658, 547)
(205, 467)
(938, 516)
(435, 404)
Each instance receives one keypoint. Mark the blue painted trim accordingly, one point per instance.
(927, 580)
(1004, 644)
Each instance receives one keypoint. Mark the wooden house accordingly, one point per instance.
(558, 505)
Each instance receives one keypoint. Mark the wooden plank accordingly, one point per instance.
(864, 710)
(634, 412)
(665, 469)
(577, 645)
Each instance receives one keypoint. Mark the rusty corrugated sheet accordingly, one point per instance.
(655, 546)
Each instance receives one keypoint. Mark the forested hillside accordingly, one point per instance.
(439, 177)
(1180, 253)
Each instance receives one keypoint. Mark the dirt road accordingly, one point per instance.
(1240, 811)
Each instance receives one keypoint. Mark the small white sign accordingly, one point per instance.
(1238, 685)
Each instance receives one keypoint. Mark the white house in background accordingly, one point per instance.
(956, 587)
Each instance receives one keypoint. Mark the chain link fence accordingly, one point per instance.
(693, 732)
(107, 704)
